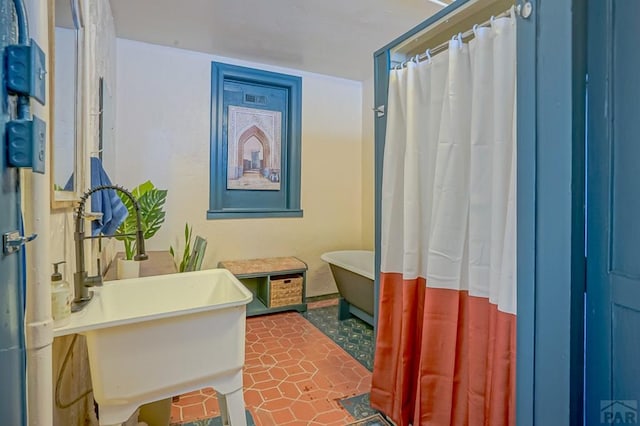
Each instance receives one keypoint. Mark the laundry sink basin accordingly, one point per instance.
(154, 337)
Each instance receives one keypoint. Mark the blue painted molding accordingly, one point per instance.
(551, 127)
(229, 204)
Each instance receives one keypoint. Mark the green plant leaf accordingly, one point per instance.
(183, 263)
(152, 214)
(151, 209)
(142, 189)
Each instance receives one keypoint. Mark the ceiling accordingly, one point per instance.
(333, 37)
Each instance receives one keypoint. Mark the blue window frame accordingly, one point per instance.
(255, 143)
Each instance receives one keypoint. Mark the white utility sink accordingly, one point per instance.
(155, 337)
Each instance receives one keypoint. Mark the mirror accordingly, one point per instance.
(66, 40)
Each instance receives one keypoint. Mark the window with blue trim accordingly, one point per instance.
(255, 143)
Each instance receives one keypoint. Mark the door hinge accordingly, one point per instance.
(379, 111)
(13, 241)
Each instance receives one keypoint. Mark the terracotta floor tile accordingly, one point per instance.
(211, 406)
(185, 401)
(289, 390)
(303, 410)
(278, 373)
(271, 394)
(293, 376)
(176, 412)
(330, 417)
(283, 416)
(193, 412)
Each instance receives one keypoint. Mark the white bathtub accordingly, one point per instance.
(353, 271)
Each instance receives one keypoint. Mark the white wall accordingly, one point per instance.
(163, 129)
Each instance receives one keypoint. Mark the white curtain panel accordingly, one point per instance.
(448, 191)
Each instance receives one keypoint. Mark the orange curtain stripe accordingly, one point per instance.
(457, 364)
(399, 326)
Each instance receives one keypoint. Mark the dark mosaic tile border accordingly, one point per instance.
(375, 420)
(215, 421)
(353, 335)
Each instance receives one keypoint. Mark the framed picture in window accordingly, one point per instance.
(255, 143)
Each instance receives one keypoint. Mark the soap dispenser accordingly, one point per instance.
(60, 298)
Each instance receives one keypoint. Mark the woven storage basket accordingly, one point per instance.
(285, 290)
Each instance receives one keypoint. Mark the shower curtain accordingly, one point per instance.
(445, 349)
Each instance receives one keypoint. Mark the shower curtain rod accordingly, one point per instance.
(443, 46)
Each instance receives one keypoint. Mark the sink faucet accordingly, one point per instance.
(81, 279)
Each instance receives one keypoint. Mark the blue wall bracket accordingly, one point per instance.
(26, 70)
(26, 144)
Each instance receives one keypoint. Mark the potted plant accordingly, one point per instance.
(181, 265)
(151, 201)
(192, 254)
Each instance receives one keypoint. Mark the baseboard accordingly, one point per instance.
(323, 297)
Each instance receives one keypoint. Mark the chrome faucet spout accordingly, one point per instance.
(81, 280)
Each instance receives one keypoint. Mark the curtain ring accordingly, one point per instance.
(460, 41)
(475, 30)
(428, 55)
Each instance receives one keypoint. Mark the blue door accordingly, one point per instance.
(613, 210)
(12, 350)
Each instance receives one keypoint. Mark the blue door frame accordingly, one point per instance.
(12, 345)
(551, 161)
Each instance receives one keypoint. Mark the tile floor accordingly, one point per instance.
(294, 375)
(353, 335)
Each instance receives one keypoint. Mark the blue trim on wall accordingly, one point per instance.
(225, 204)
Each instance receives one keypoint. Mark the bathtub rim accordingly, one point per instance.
(330, 257)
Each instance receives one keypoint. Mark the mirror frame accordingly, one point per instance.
(67, 199)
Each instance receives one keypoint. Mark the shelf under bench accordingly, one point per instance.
(258, 275)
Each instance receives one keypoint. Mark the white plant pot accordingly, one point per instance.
(127, 269)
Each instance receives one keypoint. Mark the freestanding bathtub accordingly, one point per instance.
(353, 272)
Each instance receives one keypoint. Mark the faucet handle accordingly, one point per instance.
(94, 281)
(89, 215)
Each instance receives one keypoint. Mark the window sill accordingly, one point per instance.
(251, 213)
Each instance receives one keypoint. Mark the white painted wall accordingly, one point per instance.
(163, 134)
